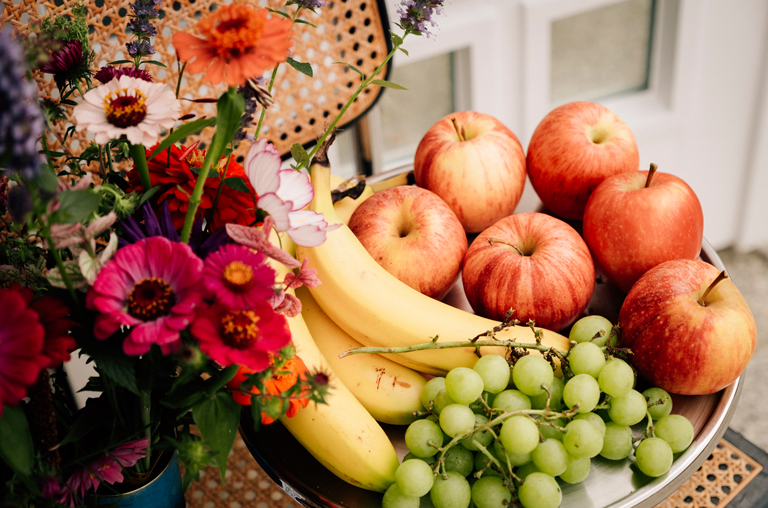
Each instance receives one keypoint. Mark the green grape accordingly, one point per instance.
(519, 434)
(586, 358)
(556, 402)
(414, 477)
(548, 431)
(617, 378)
(617, 442)
(442, 399)
(394, 498)
(494, 370)
(456, 419)
(653, 456)
(459, 459)
(582, 439)
(585, 329)
(628, 409)
(540, 490)
(530, 373)
(526, 470)
(583, 390)
(428, 460)
(422, 437)
(484, 437)
(464, 385)
(594, 419)
(510, 401)
(490, 492)
(451, 492)
(550, 457)
(514, 459)
(577, 470)
(653, 396)
(430, 389)
(483, 463)
(676, 430)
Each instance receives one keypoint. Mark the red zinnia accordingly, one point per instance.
(53, 315)
(176, 180)
(21, 341)
(241, 337)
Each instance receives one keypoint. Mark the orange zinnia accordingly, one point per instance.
(238, 43)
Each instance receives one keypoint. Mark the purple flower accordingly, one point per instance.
(309, 4)
(66, 63)
(21, 120)
(142, 28)
(141, 47)
(255, 93)
(108, 73)
(415, 14)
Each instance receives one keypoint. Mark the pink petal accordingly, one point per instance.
(296, 187)
(262, 166)
(278, 209)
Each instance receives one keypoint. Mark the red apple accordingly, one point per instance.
(475, 164)
(635, 221)
(414, 235)
(685, 338)
(574, 148)
(533, 263)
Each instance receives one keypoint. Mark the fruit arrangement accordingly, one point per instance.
(512, 409)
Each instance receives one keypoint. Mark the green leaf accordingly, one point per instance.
(46, 179)
(237, 183)
(72, 268)
(229, 109)
(404, 51)
(281, 13)
(302, 67)
(396, 39)
(301, 21)
(151, 192)
(300, 155)
(16, 448)
(78, 205)
(352, 67)
(154, 62)
(388, 84)
(117, 62)
(110, 360)
(182, 132)
(69, 102)
(217, 419)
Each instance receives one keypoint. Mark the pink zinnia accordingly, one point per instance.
(127, 454)
(151, 286)
(243, 337)
(238, 277)
(21, 342)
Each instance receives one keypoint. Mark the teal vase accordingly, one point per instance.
(162, 492)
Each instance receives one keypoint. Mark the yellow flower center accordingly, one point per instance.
(239, 328)
(232, 30)
(150, 299)
(238, 275)
(124, 110)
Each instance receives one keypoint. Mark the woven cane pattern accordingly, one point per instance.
(347, 31)
(716, 483)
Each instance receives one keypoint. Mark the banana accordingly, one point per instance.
(341, 434)
(388, 390)
(376, 309)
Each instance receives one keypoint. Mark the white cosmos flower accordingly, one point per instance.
(128, 106)
(283, 193)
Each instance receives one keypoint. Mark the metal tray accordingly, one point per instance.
(615, 484)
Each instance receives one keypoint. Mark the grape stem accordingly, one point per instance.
(446, 345)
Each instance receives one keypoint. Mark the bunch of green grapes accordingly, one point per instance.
(494, 434)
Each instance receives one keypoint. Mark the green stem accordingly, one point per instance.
(46, 233)
(195, 198)
(146, 421)
(447, 345)
(109, 159)
(181, 74)
(218, 192)
(139, 155)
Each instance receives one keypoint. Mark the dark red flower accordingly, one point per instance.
(108, 73)
(65, 63)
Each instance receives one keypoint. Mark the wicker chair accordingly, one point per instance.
(352, 31)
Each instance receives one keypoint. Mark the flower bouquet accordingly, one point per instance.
(164, 261)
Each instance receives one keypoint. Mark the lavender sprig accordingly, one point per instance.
(255, 94)
(143, 12)
(416, 14)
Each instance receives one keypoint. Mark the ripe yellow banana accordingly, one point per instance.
(376, 309)
(341, 434)
(388, 390)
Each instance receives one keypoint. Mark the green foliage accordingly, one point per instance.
(77, 205)
(302, 67)
(217, 417)
(16, 447)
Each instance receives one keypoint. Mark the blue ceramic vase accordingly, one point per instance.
(162, 492)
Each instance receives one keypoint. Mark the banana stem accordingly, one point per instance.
(447, 345)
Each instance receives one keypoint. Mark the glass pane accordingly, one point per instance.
(602, 52)
(407, 115)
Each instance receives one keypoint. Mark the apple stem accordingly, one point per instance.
(722, 275)
(651, 172)
(496, 239)
(459, 129)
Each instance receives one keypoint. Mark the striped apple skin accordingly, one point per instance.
(481, 178)
(574, 148)
(551, 282)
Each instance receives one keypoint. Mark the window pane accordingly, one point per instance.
(602, 52)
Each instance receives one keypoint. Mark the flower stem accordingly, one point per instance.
(218, 192)
(46, 233)
(140, 160)
(146, 421)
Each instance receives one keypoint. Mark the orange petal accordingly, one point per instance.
(215, 72)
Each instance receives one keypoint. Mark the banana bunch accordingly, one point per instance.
(341, 434)
(376, 309)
